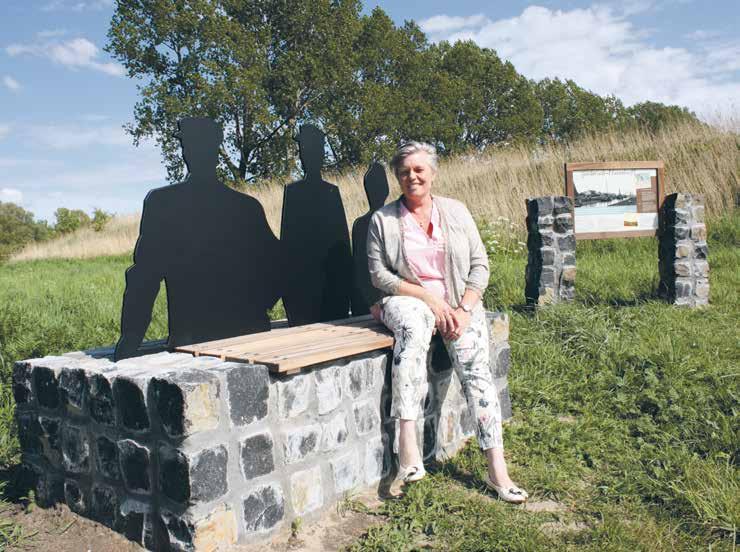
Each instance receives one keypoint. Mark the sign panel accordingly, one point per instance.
(619, 199)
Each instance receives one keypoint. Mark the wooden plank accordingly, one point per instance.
(291, 352)
(330, 354)
(354, 321)
(308, 340)
(294, 339)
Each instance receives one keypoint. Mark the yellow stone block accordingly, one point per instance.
(215, 532)
(500, 329)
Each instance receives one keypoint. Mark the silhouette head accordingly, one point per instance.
(376, 186)
(311, 148)
(200, 138)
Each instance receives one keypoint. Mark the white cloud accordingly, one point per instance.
(605, 52)
(446, 23)
(4, 130)
(11, 84)
(76, 6)
(51, 33)
(69, 137)
(11, 195)
(75, 53)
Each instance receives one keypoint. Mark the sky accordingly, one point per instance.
(64, 101)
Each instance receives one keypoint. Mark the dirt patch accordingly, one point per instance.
(58, 529)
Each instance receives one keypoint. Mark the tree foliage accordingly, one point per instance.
(69, 220)
(263, 67)
(17, 228)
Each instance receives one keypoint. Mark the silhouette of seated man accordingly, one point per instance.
(212, 246)
(376, 189)
(315, 238)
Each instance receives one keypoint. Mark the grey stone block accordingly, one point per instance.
(328, 389)
(100, 399)
(293, 395)
(193, 477)
(264, 508)
(106, 458)
(375, 463)
(359, 377)
(132, 517)
(334, 432)
(366, 417)
(77, 496)
(248, 388)
(51, 439)
(22, 386)
(300, 442)
(134, 460)
(75, 449)
(187, 402)
(502, 361)
(49, 486)
(46, 387)
(548, 256)
(73, 390)
(429, 447)
(104, 505)
(130, 402)
(567, 243)
(306, 490)
(344, 471)
(504, 400)
(257, 455)
(29, 434)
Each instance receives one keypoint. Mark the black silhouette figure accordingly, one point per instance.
(212, 246)
(314, 237)
(376, 189)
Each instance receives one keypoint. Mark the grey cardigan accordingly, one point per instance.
(466, 262)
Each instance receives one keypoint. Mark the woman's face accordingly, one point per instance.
(415, 175)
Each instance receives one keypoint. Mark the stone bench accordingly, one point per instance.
(183, 452)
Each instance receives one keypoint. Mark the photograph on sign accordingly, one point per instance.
(616, 200)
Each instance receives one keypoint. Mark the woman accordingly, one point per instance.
(426, 257)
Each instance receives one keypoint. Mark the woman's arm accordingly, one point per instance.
(477, 279)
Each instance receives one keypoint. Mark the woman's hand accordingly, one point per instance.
(444, 316)
(462, 320)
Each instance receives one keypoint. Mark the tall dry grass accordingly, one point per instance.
(699, 159)
(118, 236)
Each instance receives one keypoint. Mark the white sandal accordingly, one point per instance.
(512, 494)
(409, 474)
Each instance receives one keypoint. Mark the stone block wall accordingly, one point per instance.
(185, 453)
(551, 264)
(682, 251)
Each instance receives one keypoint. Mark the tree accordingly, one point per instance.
(17, 228)
(571, 111)
(653, 116)
(70, 220)
(100, 219)
(495, 104)
(259, 68)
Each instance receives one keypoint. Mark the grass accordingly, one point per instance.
(626, 408)
(699, 159)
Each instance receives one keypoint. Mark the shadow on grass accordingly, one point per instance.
(16, 483)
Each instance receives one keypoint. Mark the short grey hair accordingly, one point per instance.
(410, 148)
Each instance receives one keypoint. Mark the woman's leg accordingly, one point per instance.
(412, 324)
(470, 357)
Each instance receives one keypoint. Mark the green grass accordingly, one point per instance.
(625, 408)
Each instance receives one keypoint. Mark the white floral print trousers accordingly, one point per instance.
(412, 324)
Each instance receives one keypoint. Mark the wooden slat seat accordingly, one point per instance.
(287, 350)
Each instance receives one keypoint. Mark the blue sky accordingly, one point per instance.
(63, 101)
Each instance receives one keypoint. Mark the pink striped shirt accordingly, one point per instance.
(425, 253)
